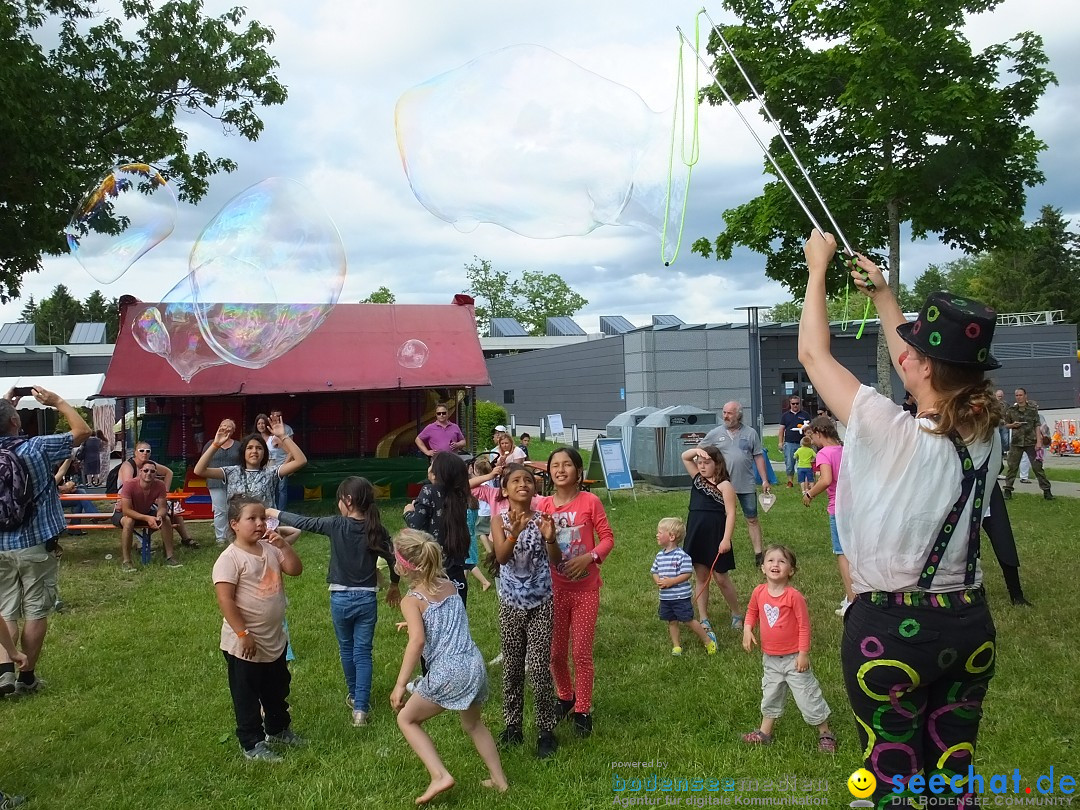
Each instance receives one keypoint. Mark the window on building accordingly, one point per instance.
(508, 396)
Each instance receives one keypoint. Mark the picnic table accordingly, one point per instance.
(103, 520)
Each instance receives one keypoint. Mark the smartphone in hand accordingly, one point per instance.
(23, 391)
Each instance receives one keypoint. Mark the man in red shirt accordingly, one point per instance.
(143, 502)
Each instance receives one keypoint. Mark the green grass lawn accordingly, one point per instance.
(137, 711)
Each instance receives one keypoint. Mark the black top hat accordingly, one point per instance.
(953, 330)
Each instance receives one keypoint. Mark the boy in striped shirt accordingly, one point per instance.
(672, 571)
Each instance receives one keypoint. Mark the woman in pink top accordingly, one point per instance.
(585, 540)
(822, 433)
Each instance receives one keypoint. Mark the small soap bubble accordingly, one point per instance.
(125, 214)
(529, 140)
(412, 354)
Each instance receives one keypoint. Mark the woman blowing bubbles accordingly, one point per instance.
(918, 648)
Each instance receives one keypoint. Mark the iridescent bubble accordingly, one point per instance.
(265, 272)
(412, 354)
(171, 329)
(529, 140)
(124, 215)
(150, 333)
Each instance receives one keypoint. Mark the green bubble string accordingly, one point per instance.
(688, 154)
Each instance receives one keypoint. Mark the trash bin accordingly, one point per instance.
(621, 427)
(660, 440)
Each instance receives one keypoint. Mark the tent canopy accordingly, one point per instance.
(357, 348)
(76, 389)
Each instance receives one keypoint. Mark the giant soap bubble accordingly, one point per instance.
(529, 140)
(171, 330)
(124, 215)
(265, 272)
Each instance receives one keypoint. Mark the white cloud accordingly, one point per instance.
(346, 64)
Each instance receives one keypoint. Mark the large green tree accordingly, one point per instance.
(108, 90)
(898, 120)
(99, 309)
(1041, 273)
(54, 317)
(531, 299)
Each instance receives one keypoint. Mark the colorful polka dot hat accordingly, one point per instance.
(954, 330)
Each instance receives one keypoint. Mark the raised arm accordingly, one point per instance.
(689, 460)
(80, 431)
(833, 381)
(296, 459)
(202, 466)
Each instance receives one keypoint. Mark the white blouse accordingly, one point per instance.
(898, 484)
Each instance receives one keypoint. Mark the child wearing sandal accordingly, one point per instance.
(785, 647)
(672, 571)
(456, 677)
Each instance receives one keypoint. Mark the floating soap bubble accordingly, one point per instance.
(265, 272)
(412, 354)
(529, 140)
(171, 329)
(128, 212)
(150, 333)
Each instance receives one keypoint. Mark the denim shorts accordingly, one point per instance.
(676, 610)
(748, 502)
(836, 547)
(806, 475)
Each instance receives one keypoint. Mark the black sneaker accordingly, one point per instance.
(511, 736)
(564, 707)
(1048, 496)
(1007, 494)
(1020, 601)
(582, 724)
(546, 745)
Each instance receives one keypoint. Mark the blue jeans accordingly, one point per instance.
(789, 457)
(353, 614)
(283, 493)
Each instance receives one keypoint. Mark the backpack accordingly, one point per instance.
(112, 486)
(16, 487)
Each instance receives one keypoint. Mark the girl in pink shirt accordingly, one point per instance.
(585, 540)
(822, 433)
(785, 647)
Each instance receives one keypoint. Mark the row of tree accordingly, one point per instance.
(55, 317)
(1038, 271)
(530, 299)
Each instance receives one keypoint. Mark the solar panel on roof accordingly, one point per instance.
(615, 325)
(17, 334)
(507, 327)
(88, 333)
(666, 320)
(563, 326)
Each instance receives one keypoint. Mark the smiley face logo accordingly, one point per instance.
(861, 783)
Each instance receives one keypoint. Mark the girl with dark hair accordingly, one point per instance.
(357, 538)
(440, 509)
(710, 526)
(585, 540)
(918, 650)
(252, 477)
(525, 544)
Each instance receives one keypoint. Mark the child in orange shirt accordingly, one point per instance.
(785, 647)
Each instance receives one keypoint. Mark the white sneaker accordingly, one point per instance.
(494, 662)
(1025, 480)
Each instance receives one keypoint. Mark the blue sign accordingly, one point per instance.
(613, 462)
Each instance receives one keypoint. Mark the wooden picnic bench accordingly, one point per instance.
(103, 520)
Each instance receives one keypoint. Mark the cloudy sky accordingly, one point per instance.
(346, 65)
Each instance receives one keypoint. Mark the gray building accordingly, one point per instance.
(707, 365)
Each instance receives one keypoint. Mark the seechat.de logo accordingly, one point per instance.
(861, 784)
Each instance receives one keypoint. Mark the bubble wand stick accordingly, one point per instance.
(764, 148)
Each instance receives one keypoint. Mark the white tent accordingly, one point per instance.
(76, 389)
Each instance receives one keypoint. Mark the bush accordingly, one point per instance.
(488, 415)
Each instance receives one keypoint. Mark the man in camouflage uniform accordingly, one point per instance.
(1022, 417)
